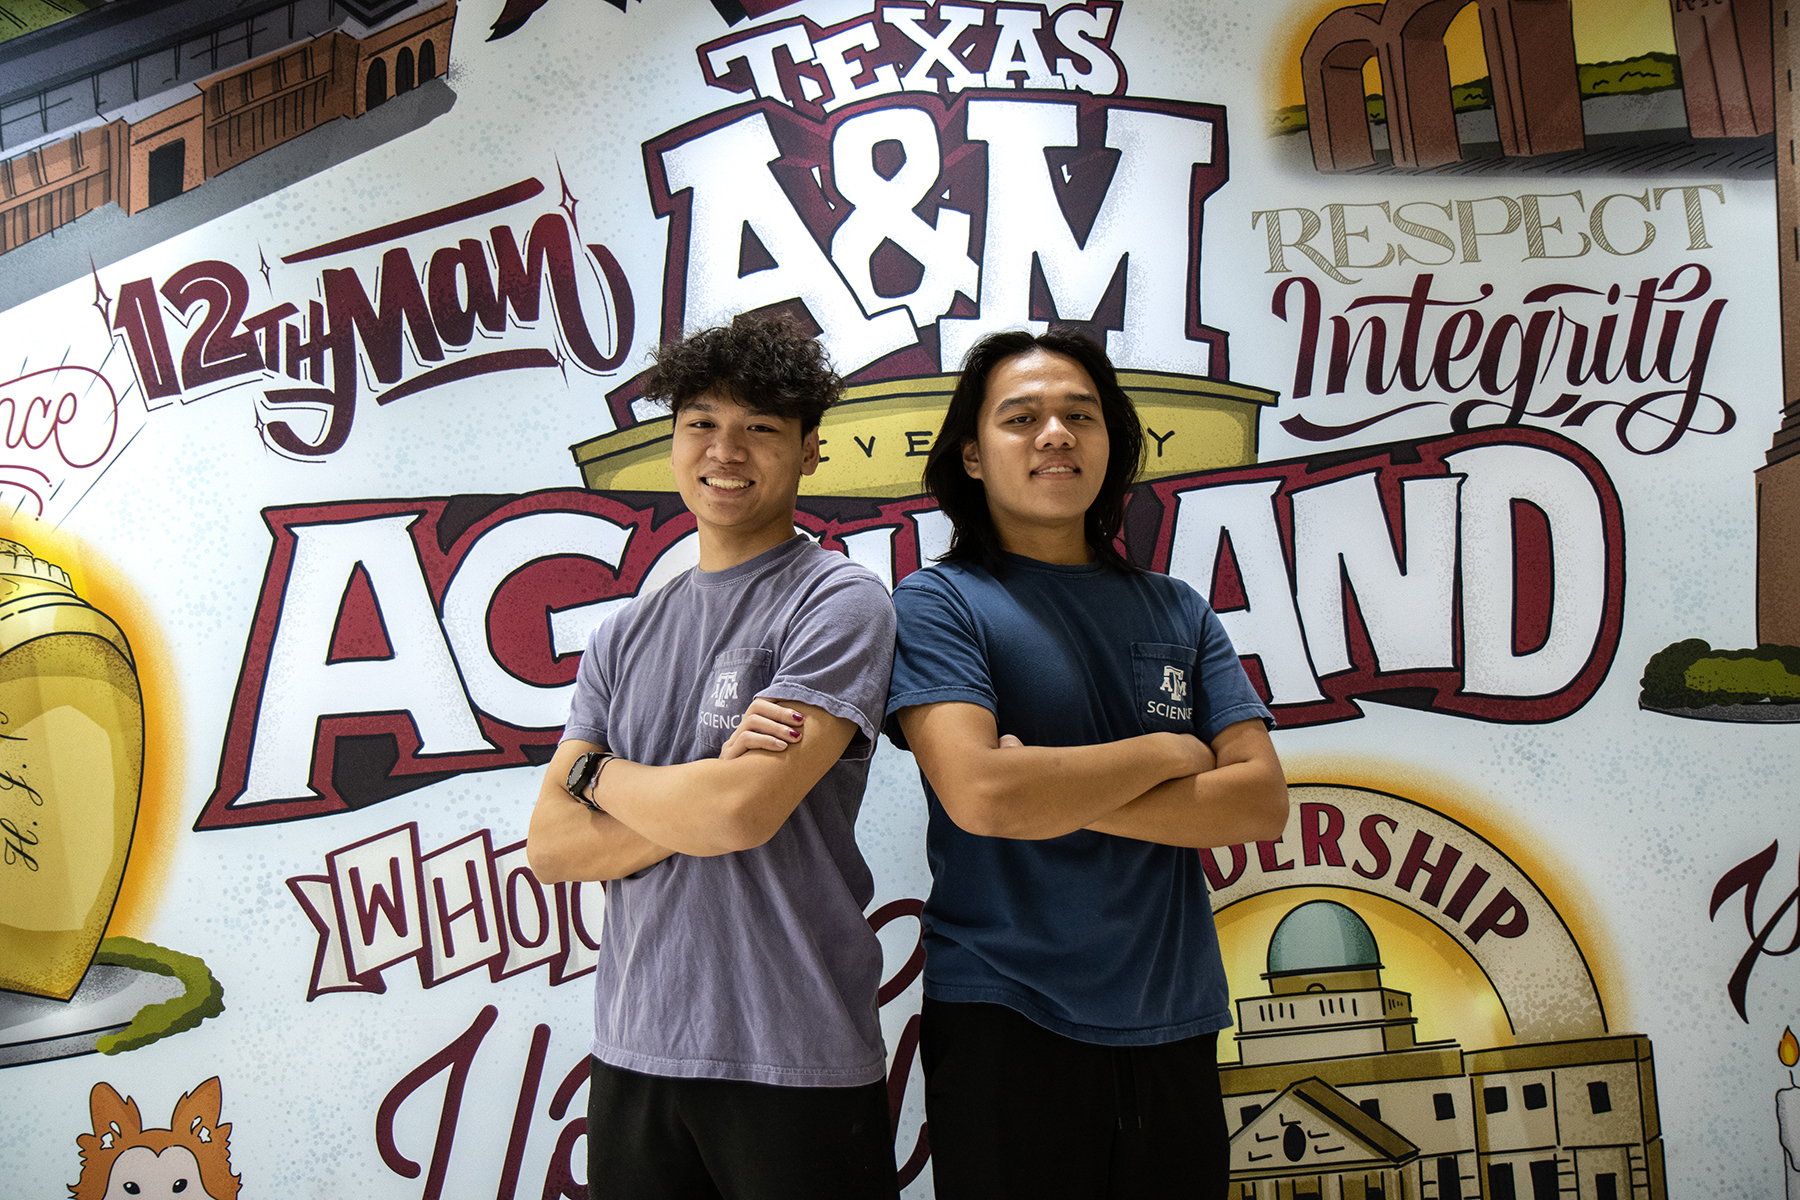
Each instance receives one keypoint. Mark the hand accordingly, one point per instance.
(766, 726)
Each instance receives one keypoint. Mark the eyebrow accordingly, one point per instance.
(711, 408)
(1015, 401)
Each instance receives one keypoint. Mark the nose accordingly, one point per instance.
(726, 446)
(1053, 432)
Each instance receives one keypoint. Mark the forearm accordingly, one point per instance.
(569, 841)
(702, 808)
(1241, 802)
(1037, 792)
(736, 801)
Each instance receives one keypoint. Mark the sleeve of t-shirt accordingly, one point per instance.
(593, 689)
(937, 656)
(1225, 695)
(838, 651)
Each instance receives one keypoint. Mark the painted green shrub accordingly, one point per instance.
(1691, 674)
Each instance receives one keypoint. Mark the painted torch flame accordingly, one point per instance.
(1790, 1048)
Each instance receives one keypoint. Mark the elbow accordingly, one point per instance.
(979, 807)
(1270, 812)
(544, 865)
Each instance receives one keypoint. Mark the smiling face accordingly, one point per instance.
(1040, 450)
(738, 471)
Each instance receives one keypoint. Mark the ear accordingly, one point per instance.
(809, 452)
(109, 1110)
(971, 458)
(197, 1113)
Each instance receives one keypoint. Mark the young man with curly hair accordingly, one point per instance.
(712, 768)
(1081, 725)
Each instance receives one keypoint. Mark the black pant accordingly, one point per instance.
(1015, 1110)
(654, 1138)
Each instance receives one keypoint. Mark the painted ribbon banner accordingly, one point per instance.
(1463, 338)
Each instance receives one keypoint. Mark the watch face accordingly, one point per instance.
(581, 772)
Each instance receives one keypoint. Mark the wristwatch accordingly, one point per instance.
(584, 772)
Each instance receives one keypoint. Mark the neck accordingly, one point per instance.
(1063, 544)
(722, 549)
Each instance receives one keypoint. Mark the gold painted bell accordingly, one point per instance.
(71, 763)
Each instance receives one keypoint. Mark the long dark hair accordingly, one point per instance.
(964, 500)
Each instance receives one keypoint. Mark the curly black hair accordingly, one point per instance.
(766, 362)
(964, 499)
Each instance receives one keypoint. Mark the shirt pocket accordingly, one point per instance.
(1163, 676)
(735, 679)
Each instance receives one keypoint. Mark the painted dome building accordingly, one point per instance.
(1333, 1098)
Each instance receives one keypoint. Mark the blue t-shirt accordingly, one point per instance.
(1101, 938)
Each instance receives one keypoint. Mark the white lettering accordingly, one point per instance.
(302, 685)
(884, 210)
(1341, 533)
(1017, 51)
(1076, 26)
(492, 559)
(727, 172)
(938, 48)
(842, 74)
(1269, 627)
(1135, 231)
(1497, 476)
(759, 51)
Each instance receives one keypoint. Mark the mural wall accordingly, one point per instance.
(1467, 341)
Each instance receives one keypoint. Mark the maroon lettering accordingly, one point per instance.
(1321, 825)
(1504, 915)
(140, 317)
(520, 879)
(446, 916)
(456, 1058)
(1748, 877)
(1509, 352)
(1309, 328)
(521, 1124)
(1376, 845)
(216, 350)
(1267, 855)
(519, 288)
(378, 900)
(453, 272)
(400, 302)
(1217, 879)
(1438, 872)
(1466, 892)
(428, 314)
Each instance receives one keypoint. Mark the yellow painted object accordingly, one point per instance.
(71, 763)
(875, 442)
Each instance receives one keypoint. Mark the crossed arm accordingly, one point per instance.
(1160, 787)
(711, 806)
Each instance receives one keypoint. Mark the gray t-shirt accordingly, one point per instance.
(757, 965)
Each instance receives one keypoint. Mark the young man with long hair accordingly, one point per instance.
(1081, 726)
(712, 768)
